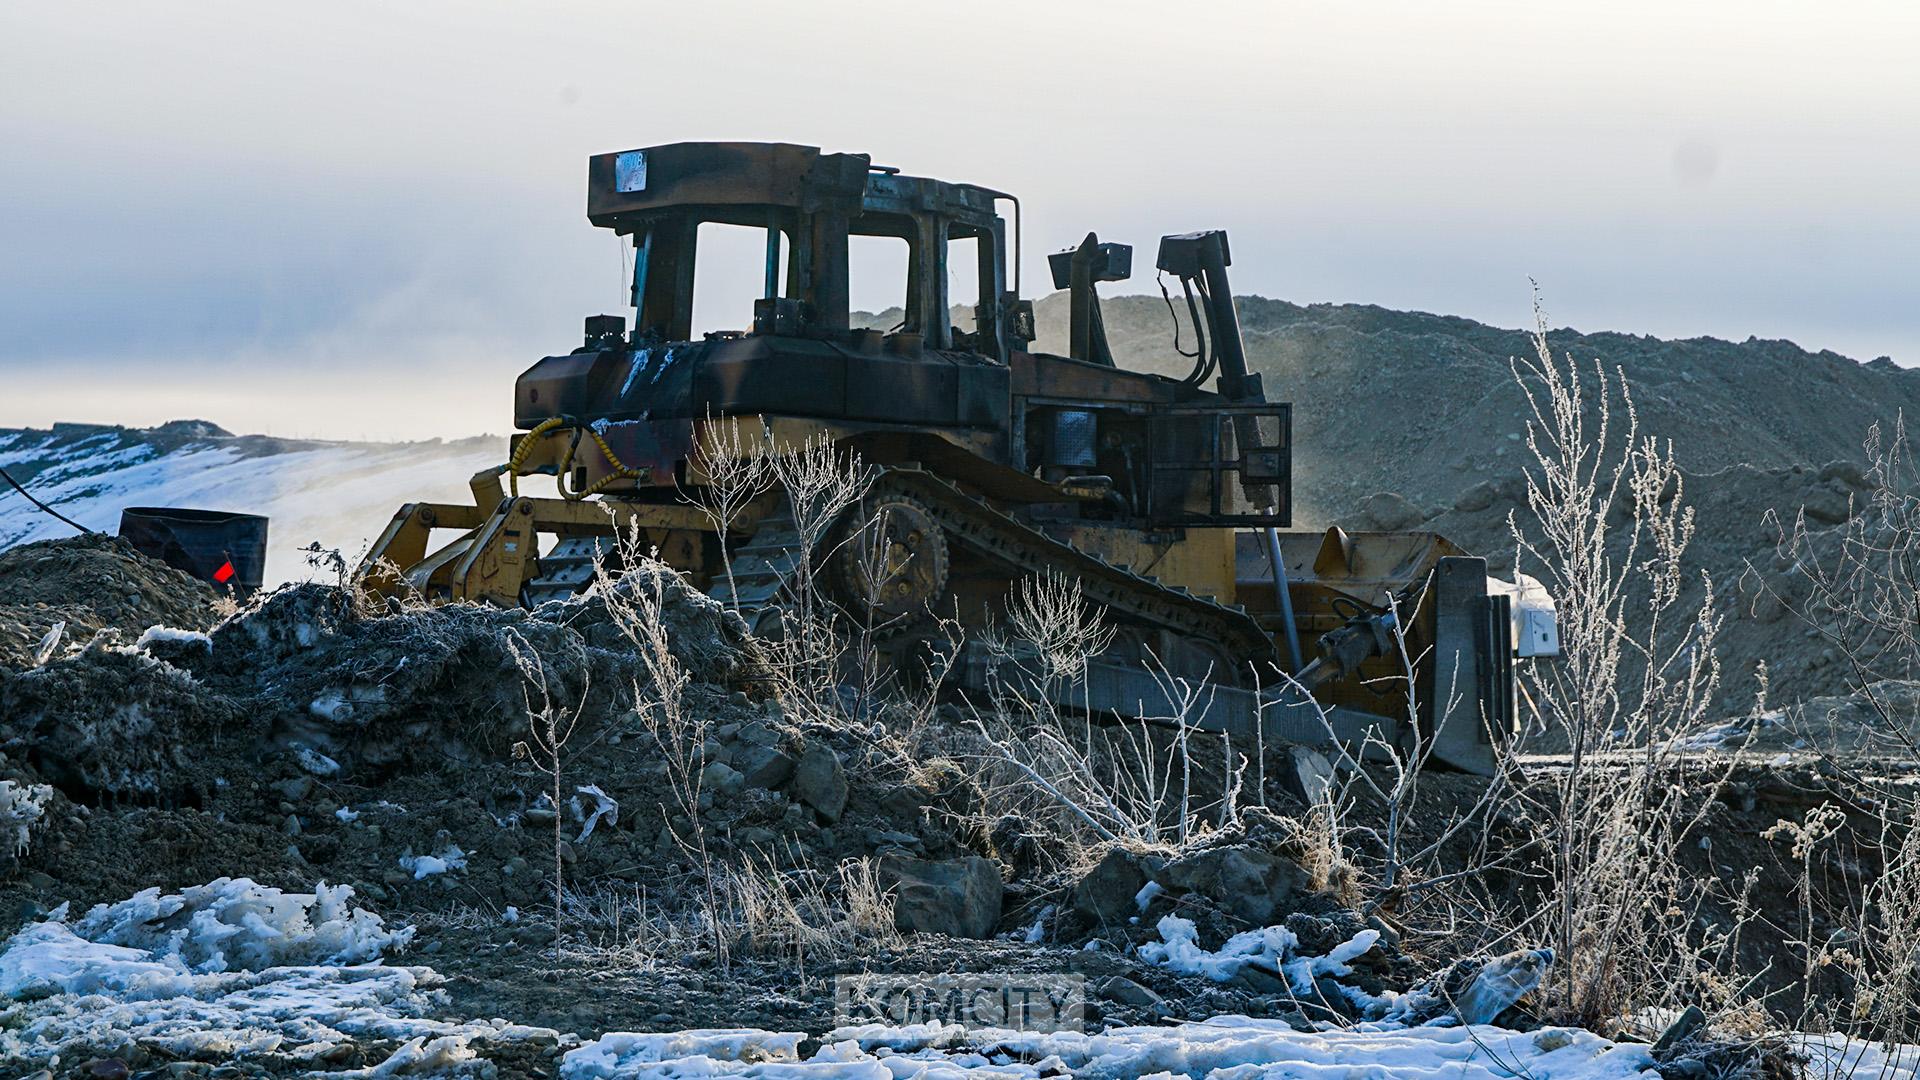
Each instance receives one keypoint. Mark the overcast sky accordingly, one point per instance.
(363, 219)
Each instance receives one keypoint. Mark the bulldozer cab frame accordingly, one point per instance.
(809, 205)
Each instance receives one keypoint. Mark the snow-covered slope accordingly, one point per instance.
(340, 494)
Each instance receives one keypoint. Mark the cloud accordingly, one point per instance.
(231, 200)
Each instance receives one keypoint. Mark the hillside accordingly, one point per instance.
(339, 494)
(1425, 409)
(1427, 406)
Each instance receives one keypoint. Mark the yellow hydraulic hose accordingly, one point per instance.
(620, 469)
(526, 446)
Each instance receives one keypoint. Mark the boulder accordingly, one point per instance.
(820, 781)
(720, 777)
(1106, 895)
(1127, 992)
(1389, 512)
(1477, 498)
(1250, 883)
(961, 897)
(763, 766)
(1827, 506)
(1846, 472)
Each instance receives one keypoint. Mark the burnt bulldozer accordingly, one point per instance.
(1165, 499)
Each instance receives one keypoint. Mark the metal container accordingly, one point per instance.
(227, 549)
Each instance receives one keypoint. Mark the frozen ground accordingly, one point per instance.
(235, 971)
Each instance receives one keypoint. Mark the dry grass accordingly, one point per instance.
(1622, 907)
(798, 917)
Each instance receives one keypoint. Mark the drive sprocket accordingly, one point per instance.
(892, 565)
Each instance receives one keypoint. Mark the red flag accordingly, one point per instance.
(225, 572)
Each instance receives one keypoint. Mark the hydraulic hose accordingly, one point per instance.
(1285, 595)
(17, 486)
(621, 471)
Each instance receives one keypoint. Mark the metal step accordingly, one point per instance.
(761, 567)
(567, 570)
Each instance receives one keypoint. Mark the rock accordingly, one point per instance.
(1767, 607)
(884, 839)
(1476, 498)
(1309, 775)
(1689, 1023)
(291, 826)
(758, 733)
(960, 898)
(1127, 992)
(1503, 981)
(1261, 981)
(1388, 935)
(820, 781)
(721, 777)
(1105, 896)
(1252, 884)
(763, 766)
(1552, 1039)
(1844, 471)
(1826, 506)
(295, 790)
(1389, 512)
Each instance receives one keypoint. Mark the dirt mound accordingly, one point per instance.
(89, 582)
(389, 750)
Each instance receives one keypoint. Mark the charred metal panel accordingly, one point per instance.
(1043, 375)
(808, 379)
(765, 375)
(891, 193)
(1201, 475)
(573, 385)
(721, 174)
(816, 379)
(654, 447)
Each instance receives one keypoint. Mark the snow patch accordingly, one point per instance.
(1224, 1048)
(1271, 950)
(316, 763)
(21, 808)
(227, 924)
(703, 1051)
(425, 866)
(173, 636)
(228, 969)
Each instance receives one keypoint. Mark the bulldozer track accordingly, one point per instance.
(973, 525)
